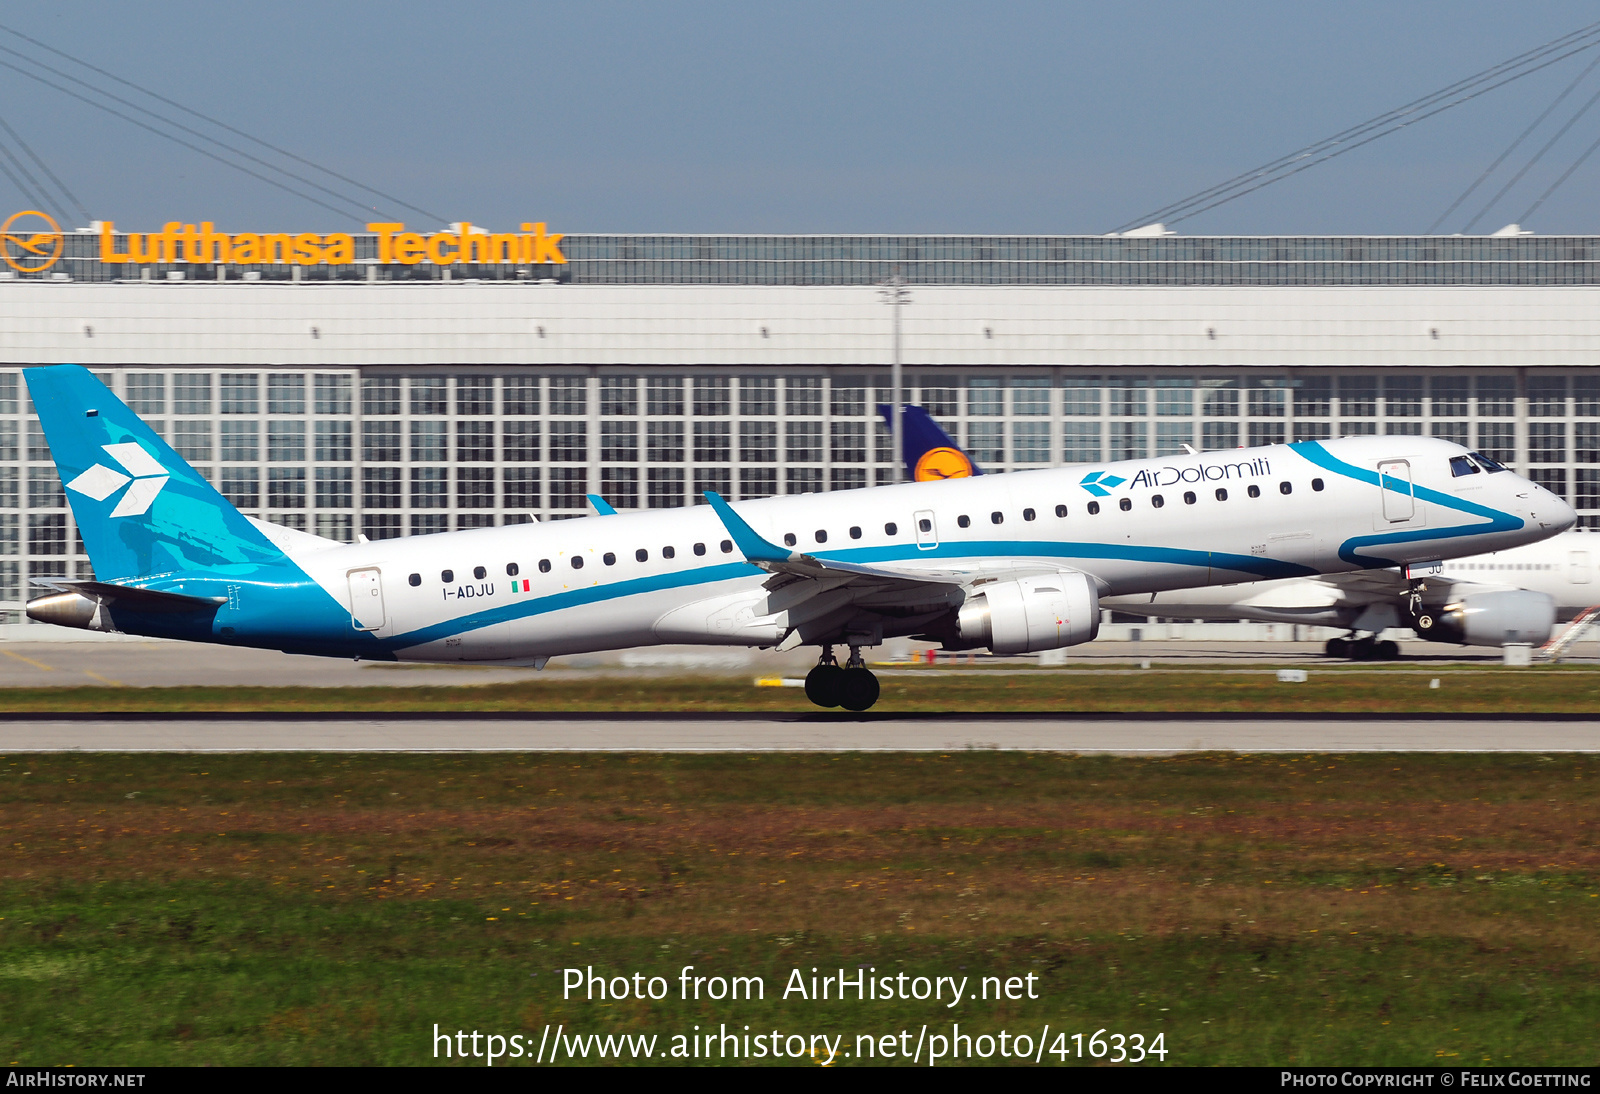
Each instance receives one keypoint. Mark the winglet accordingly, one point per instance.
(602, 507)
(753, 546)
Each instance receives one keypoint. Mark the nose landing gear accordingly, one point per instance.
(852, 687)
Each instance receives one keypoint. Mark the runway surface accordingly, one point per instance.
(1092, 734)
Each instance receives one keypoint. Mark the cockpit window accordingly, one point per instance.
(1488, 465)
(1460, 465)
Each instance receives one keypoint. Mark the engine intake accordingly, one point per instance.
(1493, 618)
(1031, 614)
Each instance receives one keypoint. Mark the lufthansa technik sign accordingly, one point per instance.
(204, 245)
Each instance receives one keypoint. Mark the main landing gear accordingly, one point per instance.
(852, 687)
(1362, 649)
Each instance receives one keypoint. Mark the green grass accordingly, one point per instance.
(1547, 690)
(280, 909)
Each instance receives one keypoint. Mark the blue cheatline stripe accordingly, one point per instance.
(1009, 549)
(1497, 521)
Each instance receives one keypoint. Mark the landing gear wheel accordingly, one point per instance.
(1337, 647)
(858, 689)
(1363, 649)
(823, 685)
(1424, 622)
(1386, 651)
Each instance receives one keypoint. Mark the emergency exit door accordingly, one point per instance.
(366, 599)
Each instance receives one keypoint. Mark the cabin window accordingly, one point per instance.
(1125, 504)
(1222, 493)
(925, 524)
(822, 536)
(963, 521)
(1094, 508)
(1028, 514)
(1061, 510)
(1254, 491)
(1316, 484)
(447, 576)
(855, 531)
(512, 569)
(699, 548)
(727, 546)
(891, 529)
(544, 565)
(1286, 488)
(479, 573)
(1188, 497)
(609, 558)
(997, 518)
(1157, 501)
(641, 555)
(669, 552)
(414, 580)
(577, 562)
(789, 540)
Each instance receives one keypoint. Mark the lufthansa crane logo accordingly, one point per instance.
(144, 473)
(942, 463)
(33, 241)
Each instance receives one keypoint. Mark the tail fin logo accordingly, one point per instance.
(144, 479)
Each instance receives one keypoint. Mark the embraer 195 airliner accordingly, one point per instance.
(1016, 563)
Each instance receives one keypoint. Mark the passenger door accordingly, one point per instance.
(366, 599)
(1578, 571)
(1398, 496)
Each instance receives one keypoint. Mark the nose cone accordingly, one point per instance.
(1550, 513)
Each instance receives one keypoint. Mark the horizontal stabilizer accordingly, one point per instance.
(153, 600)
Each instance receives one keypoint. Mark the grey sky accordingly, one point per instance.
(821, 117)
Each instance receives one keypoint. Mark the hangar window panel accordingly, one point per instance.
(380, 441)
(619, 442)
(1172, 436)
(240, 393)
(848, 397)
(1314, 397)
(521, 487)
(569, 395)
(1218, 435)
(335, 526)
(334, 488)
(521, 442)
(1402, 429)
(241, 442)
(1268, 398)
(711, 397)
(521, 395)
(1030, 442)
(620, 486)
(242, 487)
(1586, 489)
(47, 533)
(1080, 396)
(1497, 396)
(475, 442)
(1174, 396)
(146, 393)
(1127, 441)
(1358, 396)
(10, 582)
(8, 392)
(332, 393)
(803, 442)
(1127, 397)
(9, 492)
(429, 395)
(569, 442)
(430, 442)
(848, 442)
(802, 395)
(1586, 396)
(430, 488)
(568, 485)
(1219, 398)
(1586, 442)
(332, 441)
(1030, 396)
(846, 478)
(1358, 429)
(286, 441)
(1553, 479)
(803, 480)
(8, 442)
(1454, 432)
(1498, 441)
(44, 489)
(1313, 431)
(380, 525)
(380, 488)
(664, 442)
(191, 393)
(719, 479)
(38, 448)
(1547, 396)
(474, 395)
(619, 395)
(664, 395)
(1080, 442)
(711, 442)
(986, 442)
(1450, 395)
(286, 393)
(286, 488)
(985, 397)
(380, 395)
(758, 482)
(1547, 442)
(1402, 396)
(1266, 433)
(665, 488)
(427, 524)
(475, 488)
(9, 540)
(758, 396)
(942, 399)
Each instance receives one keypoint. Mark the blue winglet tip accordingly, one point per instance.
(601, 505)
(749, 543)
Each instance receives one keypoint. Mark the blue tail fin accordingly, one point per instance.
(927, 449)
(140, 508)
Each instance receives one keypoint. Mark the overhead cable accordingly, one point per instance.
(1556, 185)
(222, 124)
(1537, 156)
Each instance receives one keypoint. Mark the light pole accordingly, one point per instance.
(896, 295)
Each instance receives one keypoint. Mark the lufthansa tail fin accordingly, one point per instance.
(140, 509)
(928, 451)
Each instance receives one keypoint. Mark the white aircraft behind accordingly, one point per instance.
(1016, 563)
(1514, 595)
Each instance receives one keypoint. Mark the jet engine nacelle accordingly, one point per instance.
(1493, 618)
(1031, 614)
